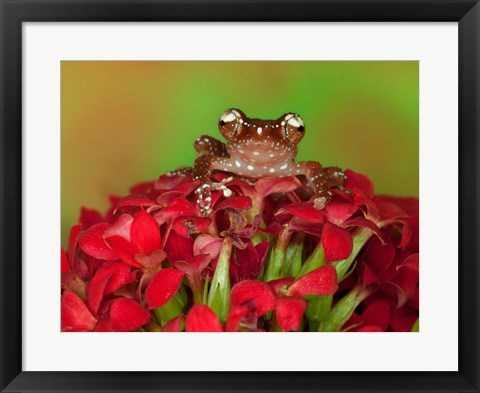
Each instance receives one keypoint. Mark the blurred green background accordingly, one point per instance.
(126, 122)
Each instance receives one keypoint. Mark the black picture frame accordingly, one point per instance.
(15, 12)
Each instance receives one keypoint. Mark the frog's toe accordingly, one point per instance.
(204, 197)
(320, 201)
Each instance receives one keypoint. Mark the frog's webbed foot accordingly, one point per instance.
(204, 193)
(204, 165)
(321, 180)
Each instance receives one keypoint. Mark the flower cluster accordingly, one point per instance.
(264, 259)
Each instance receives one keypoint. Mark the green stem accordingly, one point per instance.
(343, 310)
(314, 261)
(360, 237)
(173, 308)
(278, 256)
(293, 257)
(319, 307)
(219, 295)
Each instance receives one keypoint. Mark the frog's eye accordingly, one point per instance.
(229, 122)
(294, 127)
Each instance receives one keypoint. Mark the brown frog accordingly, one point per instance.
(258, 148)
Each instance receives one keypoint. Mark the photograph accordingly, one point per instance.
(216, 169)
(239, 196)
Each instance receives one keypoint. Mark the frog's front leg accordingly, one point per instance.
(321, 180)
(202, 169)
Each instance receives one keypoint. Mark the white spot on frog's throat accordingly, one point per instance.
(259, 130)
(250, 168)
(238, 165)
(256, 153)
(271, 155)
(284, 166)
(271, 170)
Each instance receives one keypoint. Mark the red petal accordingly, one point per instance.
(89, 217)
(200, 262)
(168, 182)
(120, 276)
(127, 315)
(121, 227)
(248, 262)
(145, 233)
(270, 185)
(235, 316)
(364, 223)
(73, 283)
(370, 277)
(248, 290)
(179, 207)
(357, 180)
(206, 244)
(237, 202)
(107, 279)
(321, 281)
(391, 210)
(152, 261)
(337, 242)
(353, 322)
(167, 198)
(187, 226)
(299, 225)
(411, 262)
(289, 312)
(75, 314)
(92, 242)
(72, 245)
(104, 325)
(408, 204)
(370, 328)
(142, 187)
(201, 318)
(134, 200)
(403, 319)
(162, 287)
(174, 325)
(65, 268)
(304, 210)
(123, 249)
(379, 256)
(178, 248)
(378, 313)
(414, 298)
(407, 279)
(338, 212)
(281, 284)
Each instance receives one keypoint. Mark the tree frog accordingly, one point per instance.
(257, 148)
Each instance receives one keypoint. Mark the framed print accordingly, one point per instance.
(288, 190)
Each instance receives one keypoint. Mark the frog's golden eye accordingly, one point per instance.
(294, 127)
(229, 122)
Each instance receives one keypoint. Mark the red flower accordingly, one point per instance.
(162, 287)
(201, 318)
(261, 260)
